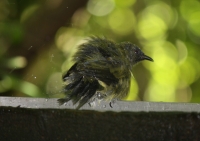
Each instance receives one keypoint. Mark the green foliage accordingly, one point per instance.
(167, 31)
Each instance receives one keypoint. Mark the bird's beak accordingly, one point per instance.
(145, 57)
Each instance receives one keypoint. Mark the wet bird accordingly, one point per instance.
(102, 69)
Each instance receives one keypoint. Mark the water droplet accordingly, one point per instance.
(66, 104)
(92, 103)
(30, 47)
(100, 95)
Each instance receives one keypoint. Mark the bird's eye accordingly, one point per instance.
(136, 51)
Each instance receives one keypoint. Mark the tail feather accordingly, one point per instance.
(77, 85)
(80, 91)
(90, 92)
(61, 101)
(74, 84)
(78, 88)
(83, 101)
(80, 95)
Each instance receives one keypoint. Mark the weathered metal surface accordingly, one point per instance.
(42, 119)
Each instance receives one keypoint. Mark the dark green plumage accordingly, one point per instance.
(103, 67)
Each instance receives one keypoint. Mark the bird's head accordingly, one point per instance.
(133, 53)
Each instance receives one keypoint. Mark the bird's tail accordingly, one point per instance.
(79, 90)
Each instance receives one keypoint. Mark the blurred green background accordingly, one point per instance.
(38, 38)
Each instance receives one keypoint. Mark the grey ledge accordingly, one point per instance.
(43, 119)
(116, 106)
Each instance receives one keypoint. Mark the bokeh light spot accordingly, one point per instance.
(189, 71)
(194, 23)
(124, 3)
(17, 62)
(182, 51)
(5, 84)
(100, 7)
(28, 88)
(133, 90)
(188, 7)
(158, 92)
(151, 26)
(28, 12)
(118, 21)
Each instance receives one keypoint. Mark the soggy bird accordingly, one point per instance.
(102, 69)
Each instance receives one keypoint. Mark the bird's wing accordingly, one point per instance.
(97, 70)
(107, 70)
